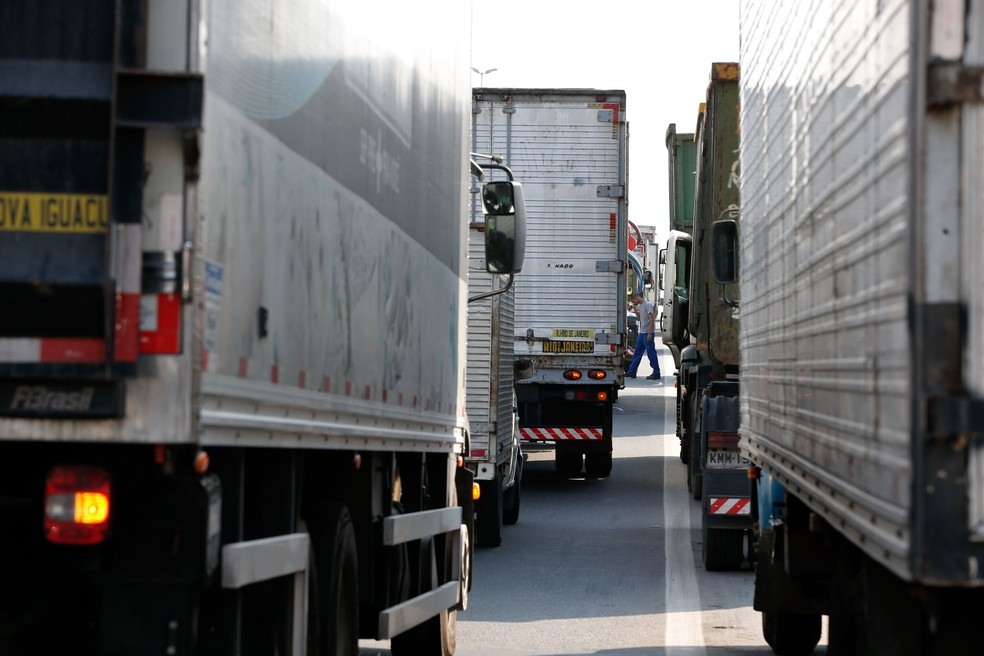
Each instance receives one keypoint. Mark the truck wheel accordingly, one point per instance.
(598, 465)
(333, 611)
(436, 636)
(489, 523)
(723, 549)
(568, 463)
(791, 634)
(511, 497)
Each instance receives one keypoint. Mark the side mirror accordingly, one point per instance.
(505, 226)
(724, 240)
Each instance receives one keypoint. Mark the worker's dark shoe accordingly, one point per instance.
(652, 377)
(630, 375)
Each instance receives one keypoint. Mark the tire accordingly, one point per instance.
(598, 465)
(512, 496)
(723, 549)
(489, 523)
(568, 463)
(436, 636)
(333, 597)
(791, 634)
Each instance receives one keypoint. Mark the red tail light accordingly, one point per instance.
(572, 374)
(722, 440)
(76, 505)
(597, 374)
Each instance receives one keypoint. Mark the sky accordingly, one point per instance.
(658, 51)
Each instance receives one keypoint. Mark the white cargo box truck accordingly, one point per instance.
(569, 148)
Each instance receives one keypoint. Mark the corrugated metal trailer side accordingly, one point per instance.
(232, 326)
(494, 455)
(861, 302)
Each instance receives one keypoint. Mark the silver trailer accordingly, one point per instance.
(862, 320)
(569, 147)
(232, 345)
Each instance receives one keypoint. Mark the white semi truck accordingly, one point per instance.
(569, 147)
(232, 337)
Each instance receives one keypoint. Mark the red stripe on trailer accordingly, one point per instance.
(730, 506)
(72, 350)
(162, 334)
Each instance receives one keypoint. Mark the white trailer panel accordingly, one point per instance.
(569, 149)
(855, 246)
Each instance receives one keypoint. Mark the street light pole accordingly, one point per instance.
(481, 78)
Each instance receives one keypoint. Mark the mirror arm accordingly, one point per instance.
(494, 292)
(499, 167)
(728, 301)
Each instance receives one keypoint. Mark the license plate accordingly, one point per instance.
(568, 347)
(726, 459)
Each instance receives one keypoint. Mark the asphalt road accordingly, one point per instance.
(609, 567)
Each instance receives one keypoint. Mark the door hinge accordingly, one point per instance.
(951, 83)
(610, 191)
(608, 338)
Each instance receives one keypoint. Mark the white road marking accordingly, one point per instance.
(684, 628)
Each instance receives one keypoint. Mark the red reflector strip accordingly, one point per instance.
(478, 453)
(52, 350)
(72, 350)
(730, 506)
(722, 440)
(547, 434)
